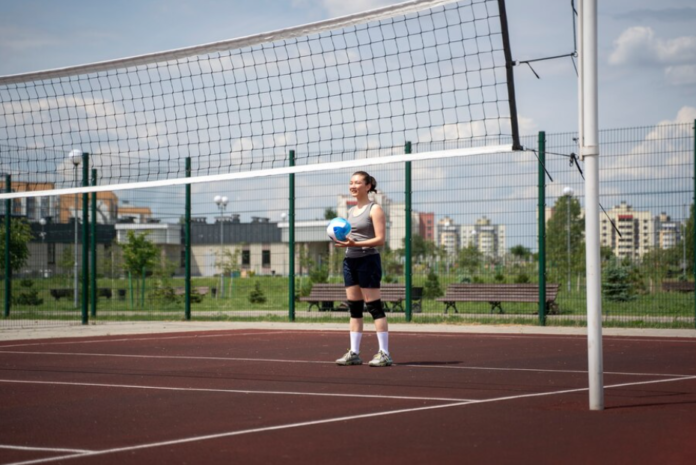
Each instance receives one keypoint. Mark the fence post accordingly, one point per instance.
(187, 245)
(694, 229)
(408, 265)
(291, 241)
(93, 251)
(85, 240)
(8, 231)
(542, 228)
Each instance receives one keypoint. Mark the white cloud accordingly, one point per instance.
(685, 115)
(640, 46)
(343, 7)
(681, 75)
(526, 126)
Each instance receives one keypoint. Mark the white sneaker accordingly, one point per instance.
(381, 359)
(351, 358)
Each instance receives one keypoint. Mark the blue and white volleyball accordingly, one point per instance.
(338, 229)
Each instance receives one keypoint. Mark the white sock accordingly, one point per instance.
(383, 339)
(355, 339)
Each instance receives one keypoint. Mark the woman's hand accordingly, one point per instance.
(347, 243)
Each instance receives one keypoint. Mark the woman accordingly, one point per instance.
(362, 270)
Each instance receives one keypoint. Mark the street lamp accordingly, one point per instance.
(75, 157)
(221, 202)
(42, 222)
(568, 191)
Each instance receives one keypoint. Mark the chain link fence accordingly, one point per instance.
(474, 224)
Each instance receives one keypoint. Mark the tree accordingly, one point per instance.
(422, 250)
(228, 260)
(139, 255)
(19, 245)
(330, 213)
(521, 253)
(66, 262)
(470, 258)
(565, 223)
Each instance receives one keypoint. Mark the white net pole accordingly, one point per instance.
(590, 153)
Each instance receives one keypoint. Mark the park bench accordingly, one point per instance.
(60, 293)
(496, 294)
(323, 297)
(678, 286)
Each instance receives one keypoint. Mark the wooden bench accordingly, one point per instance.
(678, 286)
(60, 293)
(496, 294)
(323, 297)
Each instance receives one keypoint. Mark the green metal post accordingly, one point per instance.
(542, 228)
(291, 241)
(187, 243)
(8, 231)
(93, 251)
(85, 240)
(407, 242)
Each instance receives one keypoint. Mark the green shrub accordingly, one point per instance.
(522, 278)
(617, 285)
(432, 288)
(28, 295)
(257, 296)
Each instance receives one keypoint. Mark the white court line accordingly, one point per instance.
(45, 449)
(541, 370)
(131, 339)
(230, 332)
(323, 362)
(234, 391)
(328, 420)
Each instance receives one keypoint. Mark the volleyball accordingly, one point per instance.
(338, 229)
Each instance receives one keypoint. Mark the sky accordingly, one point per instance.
(647, 57)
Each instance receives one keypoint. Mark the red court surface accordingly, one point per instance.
(263, 396)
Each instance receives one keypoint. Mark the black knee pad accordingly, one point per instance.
(375, 309)
(356, 308)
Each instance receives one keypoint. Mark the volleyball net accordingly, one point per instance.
(342, 92)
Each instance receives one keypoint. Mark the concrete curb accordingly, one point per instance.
(113, 329)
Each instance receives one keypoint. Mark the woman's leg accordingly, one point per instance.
(374, 297)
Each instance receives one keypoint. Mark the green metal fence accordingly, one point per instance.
(490, 220)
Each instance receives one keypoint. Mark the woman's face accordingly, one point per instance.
(358, 187)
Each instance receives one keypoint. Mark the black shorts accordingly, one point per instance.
(365, 272)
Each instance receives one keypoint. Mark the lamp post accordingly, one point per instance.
(75, 157)
(568, 192)
(42, 222)
(221, 202)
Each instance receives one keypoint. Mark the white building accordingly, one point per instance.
(637, 230)
(668, 233)
(448, 235)
(488, 238)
